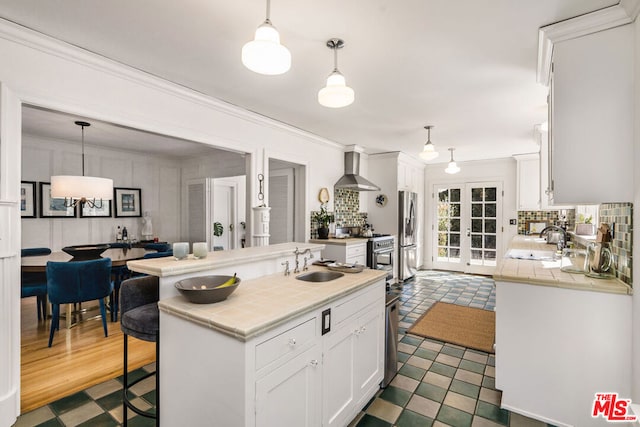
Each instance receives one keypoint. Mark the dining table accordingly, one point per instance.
(119, 258)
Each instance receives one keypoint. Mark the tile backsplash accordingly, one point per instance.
(346, 206)
(550, 217)
(619, 216)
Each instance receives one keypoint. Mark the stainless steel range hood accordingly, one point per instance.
(351, 180)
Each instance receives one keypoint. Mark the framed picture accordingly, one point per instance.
(28, 199)
(127, 201)
(53, 207)
(104, 211)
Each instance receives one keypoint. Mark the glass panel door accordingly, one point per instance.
(468, 225)
(485, 220)
(448, 233)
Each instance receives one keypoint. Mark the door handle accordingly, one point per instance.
(231, 227)
(468, 232)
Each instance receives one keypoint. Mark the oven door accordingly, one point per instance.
(383, 260)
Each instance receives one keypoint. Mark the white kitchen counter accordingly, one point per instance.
(169, 266)
(547, 273)
(261, 304)
(341, 242)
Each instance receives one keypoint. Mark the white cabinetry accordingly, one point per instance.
(346, 252)
(591, 118)
(528, 177)
(352, 361)
(291, 375)
(584, 355)
(290, 395)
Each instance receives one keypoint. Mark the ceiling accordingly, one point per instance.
(466, 67)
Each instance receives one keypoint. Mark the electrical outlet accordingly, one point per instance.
(513, 221)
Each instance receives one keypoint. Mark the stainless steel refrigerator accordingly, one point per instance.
(407, 234)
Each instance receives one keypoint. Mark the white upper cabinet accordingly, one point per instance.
(591, 118)
(528, 177)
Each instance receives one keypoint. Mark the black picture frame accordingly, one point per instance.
(53, 208)
(104, 211)
(127, 202)
(28, 199)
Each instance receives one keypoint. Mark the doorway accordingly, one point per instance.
(286, 199)
(468, 222)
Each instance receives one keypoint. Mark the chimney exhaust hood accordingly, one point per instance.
(351, 180)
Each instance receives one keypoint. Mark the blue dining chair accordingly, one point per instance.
(35, 283)
(78, 281)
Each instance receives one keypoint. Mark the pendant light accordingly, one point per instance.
(336, 93)
(452, 167)
(429, 151)
(75, 189)
(264, 54)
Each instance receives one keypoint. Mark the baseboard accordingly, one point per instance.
(535, 416)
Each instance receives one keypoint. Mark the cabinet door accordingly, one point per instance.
(528, 182)
(337, 374)
(369, 351)
(592, 133)
(290, 395)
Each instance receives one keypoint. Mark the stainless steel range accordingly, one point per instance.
(380, 249)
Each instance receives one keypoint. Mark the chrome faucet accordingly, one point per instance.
(286, 268)
(563, 240)
(297, 252)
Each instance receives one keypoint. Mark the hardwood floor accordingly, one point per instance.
(79, 357)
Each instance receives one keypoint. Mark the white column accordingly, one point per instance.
(10, 143)
(261, 225)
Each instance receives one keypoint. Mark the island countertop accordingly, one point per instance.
(547, 273)
(169, 266)
(261, 304)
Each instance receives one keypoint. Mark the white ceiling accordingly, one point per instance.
(466, 67)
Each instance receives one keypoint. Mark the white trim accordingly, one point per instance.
(49, 45)
(622, 13)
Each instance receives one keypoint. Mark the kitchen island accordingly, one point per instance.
(278, 351)
(560, 338)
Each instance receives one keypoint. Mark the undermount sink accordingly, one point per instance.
(320, 276)
(534, 255)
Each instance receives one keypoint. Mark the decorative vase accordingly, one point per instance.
(323, 233)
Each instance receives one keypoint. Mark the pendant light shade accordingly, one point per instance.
(429, 151)
(336, 93)
(452, 167)
(75, 189)
(264, 54)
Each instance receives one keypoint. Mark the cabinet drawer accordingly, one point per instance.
(287, 343)
(348, 308)
(356, 250)
(360, 259)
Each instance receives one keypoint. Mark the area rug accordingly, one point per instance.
(466, 326)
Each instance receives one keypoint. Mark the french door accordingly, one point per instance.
(468, 226)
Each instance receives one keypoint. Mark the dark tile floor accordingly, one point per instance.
(438, 384)
(441, 384)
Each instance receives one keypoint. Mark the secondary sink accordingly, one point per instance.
(535, 255)
(320, 276)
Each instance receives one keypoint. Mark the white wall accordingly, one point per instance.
(503, 170)
(157, 177)
(635, 380)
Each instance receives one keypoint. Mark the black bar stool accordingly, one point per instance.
(140, 318)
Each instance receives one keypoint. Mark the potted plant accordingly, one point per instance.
(323, 219)
(584, 226)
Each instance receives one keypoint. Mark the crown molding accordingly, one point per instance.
(622, 13)
(41, 42)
